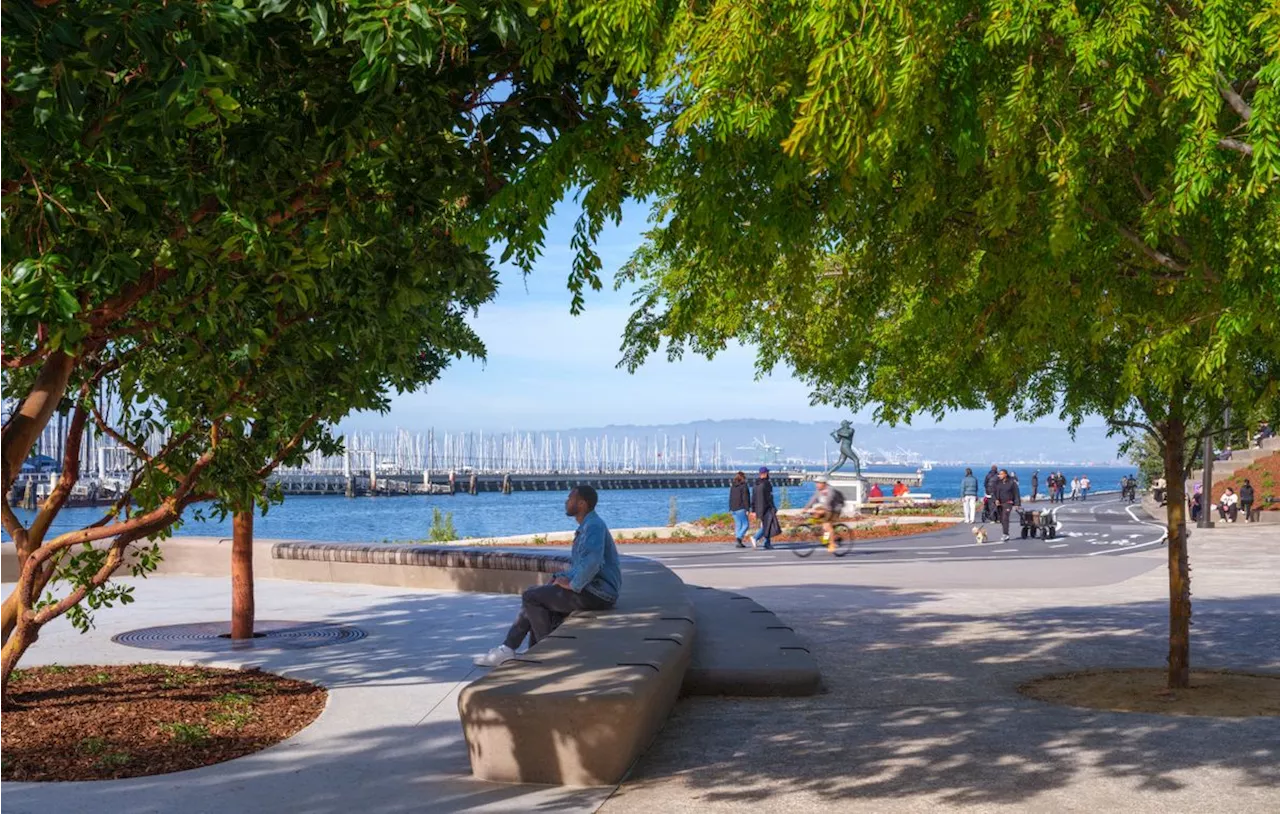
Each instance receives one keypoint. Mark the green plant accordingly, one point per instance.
(113, 760)
(442, 530)
(719, 520)
(229, 225)
(93, 745)
(186, 734)
(101, 678)
(680, 533)
(539, 539)
(174, 678)
(784, 499)
(56, 669)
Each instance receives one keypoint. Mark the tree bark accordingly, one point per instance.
(242, 575)
(1173, 434)
(25, 426)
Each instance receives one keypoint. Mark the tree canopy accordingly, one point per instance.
(232, 223)
(1034, 206)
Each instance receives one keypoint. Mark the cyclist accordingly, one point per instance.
(825, 505)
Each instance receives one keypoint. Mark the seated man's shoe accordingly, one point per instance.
(498, 655)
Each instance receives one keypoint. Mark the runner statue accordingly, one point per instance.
(844, 436)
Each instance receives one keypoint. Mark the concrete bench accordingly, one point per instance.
(576, 709)
(582, 705)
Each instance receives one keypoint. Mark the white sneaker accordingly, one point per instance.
(498, 655)
(1004, 539)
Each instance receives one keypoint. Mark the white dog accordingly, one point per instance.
(979, 534)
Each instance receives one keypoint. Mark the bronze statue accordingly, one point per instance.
(843, 435)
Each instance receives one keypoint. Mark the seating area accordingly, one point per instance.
(911, 500)
(582, 705)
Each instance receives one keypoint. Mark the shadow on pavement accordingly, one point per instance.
(922, 710)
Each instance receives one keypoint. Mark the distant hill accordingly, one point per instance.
(805, 440)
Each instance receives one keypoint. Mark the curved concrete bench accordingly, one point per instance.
(583, 704)
(576, 709)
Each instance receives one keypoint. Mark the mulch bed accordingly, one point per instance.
(1217, 693)
(103, 722)
(872, 533)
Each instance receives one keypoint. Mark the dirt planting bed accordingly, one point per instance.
(1263, 474)
(102, 722)
(1217, 693)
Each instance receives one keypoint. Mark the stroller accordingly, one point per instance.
(1036, 523)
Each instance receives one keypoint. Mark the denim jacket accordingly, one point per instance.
(969, 486)
(594, 566)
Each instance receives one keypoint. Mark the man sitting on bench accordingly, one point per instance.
(591, 582)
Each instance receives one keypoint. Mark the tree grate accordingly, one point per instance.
(215, 636)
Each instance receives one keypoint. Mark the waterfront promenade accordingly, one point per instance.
(921, 659)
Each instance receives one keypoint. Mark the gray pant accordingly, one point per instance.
(543, 609)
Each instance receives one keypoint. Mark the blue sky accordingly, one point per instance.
(549, 370)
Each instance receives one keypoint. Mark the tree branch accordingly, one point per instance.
(287, 448)
(66, 480)
(1168, 261)
(1237, 145)
(25, 426)
(1237, 102)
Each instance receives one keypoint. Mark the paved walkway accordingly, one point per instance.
(388, 741)
(921, 659)
(922, 713)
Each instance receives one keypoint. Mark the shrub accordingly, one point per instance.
(442, 530)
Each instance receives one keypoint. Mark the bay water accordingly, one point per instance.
(492, 514)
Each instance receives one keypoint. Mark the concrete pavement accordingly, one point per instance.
(923, 713)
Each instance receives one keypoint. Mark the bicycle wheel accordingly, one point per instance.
(804, 539)
(844, 540)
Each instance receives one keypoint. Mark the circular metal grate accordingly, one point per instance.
(214, 636)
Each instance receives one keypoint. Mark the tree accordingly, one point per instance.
(227, 225)
(1037, 206)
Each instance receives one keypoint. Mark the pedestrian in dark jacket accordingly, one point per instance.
(762, 508)
(1035, 485)
(1005, 495)
(1246, 500)
(988, 484)
(739, 506)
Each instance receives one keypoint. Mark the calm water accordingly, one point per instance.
(494, 514)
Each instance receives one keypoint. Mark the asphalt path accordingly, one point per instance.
(1103, 527)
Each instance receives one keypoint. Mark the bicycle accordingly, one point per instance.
(807, 537)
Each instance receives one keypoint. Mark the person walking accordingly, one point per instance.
(1035, 485)
(1246, 500)
(1084, 487)
(988, 484)
(763, 508)
(1075, 489)
(739, 506)
(592, 581)
(1006, 497)
(969, 495)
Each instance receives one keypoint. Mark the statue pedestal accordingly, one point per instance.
(853, 488)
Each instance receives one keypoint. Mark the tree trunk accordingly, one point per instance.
(8, 616)
(23, 638)
(33, 414)
(1173, 435)
(242, 575)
